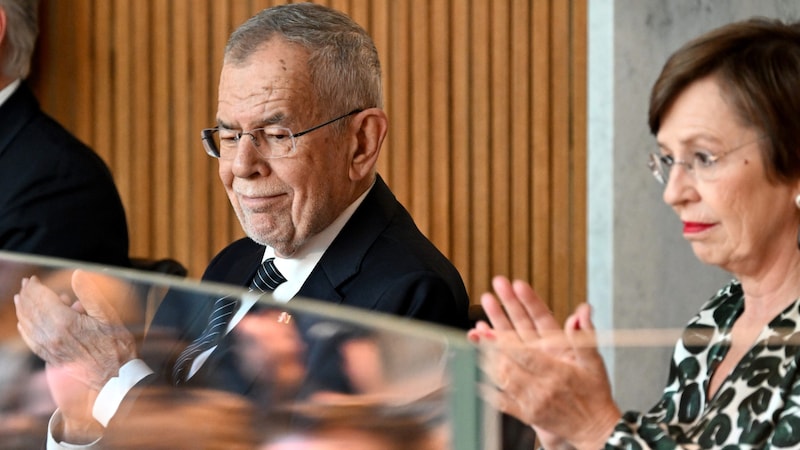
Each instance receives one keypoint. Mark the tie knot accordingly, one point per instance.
(267, 277)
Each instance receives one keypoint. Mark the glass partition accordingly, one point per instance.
(303, 374)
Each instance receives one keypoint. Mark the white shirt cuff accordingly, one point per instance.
(115, 390)
(106, 403)
(55, 420)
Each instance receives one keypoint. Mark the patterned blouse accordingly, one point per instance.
(757, 406)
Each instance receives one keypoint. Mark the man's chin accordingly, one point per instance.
(283, 247)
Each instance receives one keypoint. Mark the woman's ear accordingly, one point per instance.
(371, 126)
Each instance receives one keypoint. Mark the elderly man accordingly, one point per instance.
(299, 130)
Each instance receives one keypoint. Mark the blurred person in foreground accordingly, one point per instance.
(725, 111)
(57, 196)
(358, 423)
(299, 128)
(186, 419)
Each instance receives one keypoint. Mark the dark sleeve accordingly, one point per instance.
(59, 199)
(423, 296)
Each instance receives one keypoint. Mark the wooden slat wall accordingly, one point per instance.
(486, 101)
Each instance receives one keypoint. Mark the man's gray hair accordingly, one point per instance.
(22, 28)
(344, 67)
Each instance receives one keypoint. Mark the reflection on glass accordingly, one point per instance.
(305, 374)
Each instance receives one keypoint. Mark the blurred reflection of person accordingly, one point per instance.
(270, 350)
(185, 419)
(362, 423)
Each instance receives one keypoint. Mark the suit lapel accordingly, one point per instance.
(342, 260)
(245, 268)
(239, 266)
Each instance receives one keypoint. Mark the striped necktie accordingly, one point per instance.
(266, 279)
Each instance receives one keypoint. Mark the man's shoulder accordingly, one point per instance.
(28, 123)
(384, 262)
(397, 239)
(56, 150)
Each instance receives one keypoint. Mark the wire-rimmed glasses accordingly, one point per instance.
(703, 164)
(269, 142)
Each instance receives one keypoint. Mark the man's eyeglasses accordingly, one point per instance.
(703, 165)
(269, 142)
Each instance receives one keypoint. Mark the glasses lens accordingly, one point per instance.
(271, 142)
(277, 142)
(705, 166)
(658, 168)
(225, 143)
(210, 138)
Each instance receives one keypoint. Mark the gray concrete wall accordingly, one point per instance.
(642, 275)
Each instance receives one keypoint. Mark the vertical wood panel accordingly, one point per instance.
(541, 149)
(181, 143)
(486, 103)
(359, 10)
(499, 140)
(379, 30)
(461, 139)
(441, 130)
(561, 140)
(122, 126)
(82, 73)
(578, 121)
(206, 193)
(161, 137)
(398, 90)
(222, 23)
(420, 122)
(481, 267)
(141, 155)
(102, 85)
(520, 183)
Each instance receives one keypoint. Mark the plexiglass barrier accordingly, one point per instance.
(303, 374)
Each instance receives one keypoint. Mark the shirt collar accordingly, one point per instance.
(6, 92)
(298, 267)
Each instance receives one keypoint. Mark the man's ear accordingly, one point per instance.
(370, 127)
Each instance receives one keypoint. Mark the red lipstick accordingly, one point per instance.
(695, 227)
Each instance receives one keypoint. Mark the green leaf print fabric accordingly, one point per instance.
(758, 404)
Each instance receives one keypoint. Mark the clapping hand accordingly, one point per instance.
(551, 378)
(82, 339)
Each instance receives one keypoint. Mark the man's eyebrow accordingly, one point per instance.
(271, 120)
(222, 124)
(275, 118)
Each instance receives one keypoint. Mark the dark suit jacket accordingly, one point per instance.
(57, 196)
(380, 261)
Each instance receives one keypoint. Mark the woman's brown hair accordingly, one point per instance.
(757, 64)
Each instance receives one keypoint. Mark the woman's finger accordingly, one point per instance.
(495, 313)
(583, 338)
(535, 308)
(515, 308)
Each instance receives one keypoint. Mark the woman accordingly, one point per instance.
(726, 115)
